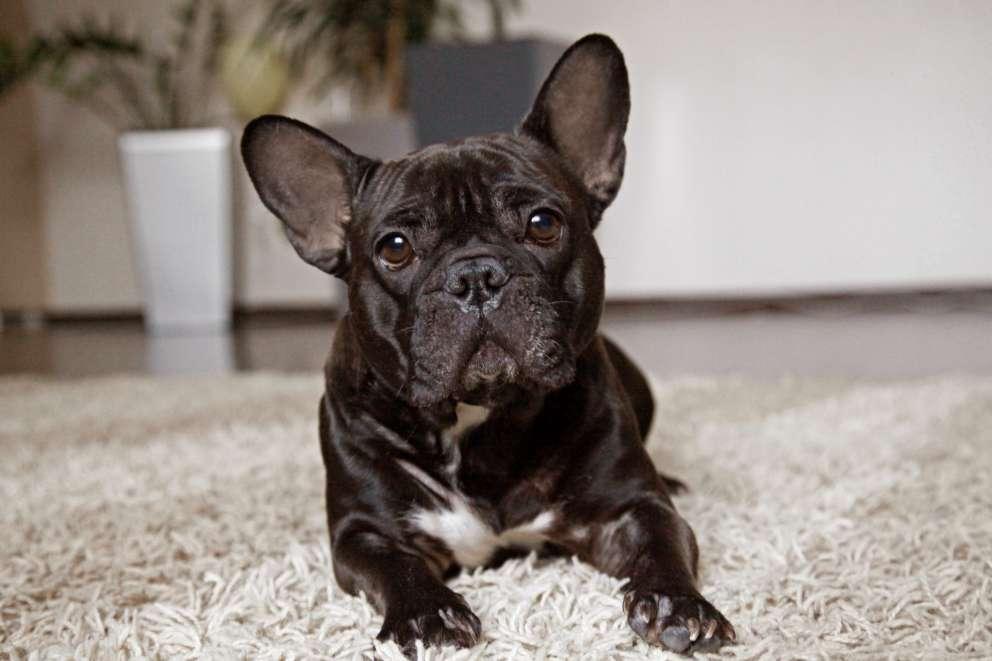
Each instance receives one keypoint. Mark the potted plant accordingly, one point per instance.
(457, 88)
(386, 53)
(175, 155)
(357, 45)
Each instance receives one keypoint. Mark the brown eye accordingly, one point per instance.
(544, 227)
(395, 251)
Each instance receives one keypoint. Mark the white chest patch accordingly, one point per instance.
(471, 540)
(467, 535)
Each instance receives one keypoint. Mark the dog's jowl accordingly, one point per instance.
(471, 408)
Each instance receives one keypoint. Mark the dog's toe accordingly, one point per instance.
(437, 620)
(680, 623)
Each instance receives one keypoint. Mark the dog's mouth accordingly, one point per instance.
(492, 374)
(487, 372)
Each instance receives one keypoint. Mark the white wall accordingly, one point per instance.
(22, 246)
(88, 254)
(786, 146)
(774, 147)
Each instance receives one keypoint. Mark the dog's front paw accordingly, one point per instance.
(436, 619)
(683, 623)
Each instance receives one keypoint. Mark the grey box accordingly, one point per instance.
(457, 90)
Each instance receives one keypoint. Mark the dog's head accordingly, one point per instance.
(472, 270)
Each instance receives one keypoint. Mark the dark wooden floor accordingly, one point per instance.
(871, 337)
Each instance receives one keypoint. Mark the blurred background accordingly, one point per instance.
(808, 187)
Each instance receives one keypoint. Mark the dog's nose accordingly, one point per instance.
(476, 281)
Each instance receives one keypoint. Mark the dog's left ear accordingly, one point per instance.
(581, 112)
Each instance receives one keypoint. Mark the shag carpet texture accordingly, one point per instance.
(184, 518)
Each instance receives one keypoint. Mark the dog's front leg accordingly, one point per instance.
(415, 603)
(652, 546)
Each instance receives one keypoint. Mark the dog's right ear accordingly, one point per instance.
(308, 180)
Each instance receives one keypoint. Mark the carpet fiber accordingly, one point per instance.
(184, 518)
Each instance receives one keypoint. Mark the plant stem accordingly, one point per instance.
(498, 20)
(102, 109)
(130, 93)
(393, 65)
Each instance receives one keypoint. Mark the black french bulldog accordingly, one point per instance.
(471, 408)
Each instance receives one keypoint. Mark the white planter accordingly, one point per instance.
(178, 186)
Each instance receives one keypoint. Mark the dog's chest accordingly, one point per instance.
(468, 528)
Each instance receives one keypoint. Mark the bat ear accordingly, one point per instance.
(581, 112)
(308, 180)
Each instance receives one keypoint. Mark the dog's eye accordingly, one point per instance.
(544, 227)
(395, 251)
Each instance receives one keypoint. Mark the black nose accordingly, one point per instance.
(476, 281)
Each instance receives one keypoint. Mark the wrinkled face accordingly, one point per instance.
(474, 272)
(471, 267)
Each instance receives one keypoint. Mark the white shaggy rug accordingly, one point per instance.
(184, 518)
